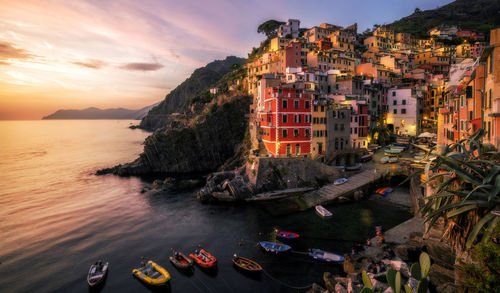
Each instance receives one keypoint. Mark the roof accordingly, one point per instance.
(486, 52)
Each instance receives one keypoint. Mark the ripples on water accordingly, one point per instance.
(56, 218)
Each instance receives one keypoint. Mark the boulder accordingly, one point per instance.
(441, 253)
(439, 275)
(330, 282)
(315, 288)
(410, 251)
(339, 288)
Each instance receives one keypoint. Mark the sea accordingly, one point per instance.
(57, 218)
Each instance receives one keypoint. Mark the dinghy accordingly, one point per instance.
(325, 256)
(152, 274)
(286, 235)
(274, 247)
(246, 264)
(393, 160)
(181, 261)
(204, 259)
(366, 158)
(353, 168)
(97, 273)
(322, 211)
(340, 181)
(384, 160)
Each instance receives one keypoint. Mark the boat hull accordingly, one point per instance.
(326, 256)
(145, 278)
(204, 259)
(274, 247)
(246, 265)
(181, 261)
(286, 235)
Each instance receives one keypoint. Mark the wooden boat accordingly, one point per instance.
(340, 181)
(286, 235)
(384, 160)
(353, 168)
(274, 247)
(392, 152)
(181, 261)
(393, 160)
(366, 158)
(204, 259)
(322, 211)
(152, 274)
(246, 264)
(97, 273)
(325, 256)
(384, 190)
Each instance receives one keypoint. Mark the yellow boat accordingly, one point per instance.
(152, 274)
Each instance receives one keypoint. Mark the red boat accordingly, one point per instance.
(203, 259)
(286, 235)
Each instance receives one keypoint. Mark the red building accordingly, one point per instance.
(286, 122)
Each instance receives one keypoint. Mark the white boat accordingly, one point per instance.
(393, 160)
(340, 181)
(384, 160)
(323, 212)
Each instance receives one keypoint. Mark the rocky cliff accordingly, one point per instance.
(202, 144)
(178, 99)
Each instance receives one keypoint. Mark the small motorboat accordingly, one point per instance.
(203, 259)
(353, 168)
(392, 152)
(384, 160)
(393, 160)
(384, 190)
(325, 256)
(340, 181)
(366, 158)
(97, 273)
(286, 235)
(323, 212)
(181, 261)
(152, 274)
(274, 247)
(246, 264)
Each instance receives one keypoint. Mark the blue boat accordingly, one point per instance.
(274, 247)
(286, 235)
(325, 256)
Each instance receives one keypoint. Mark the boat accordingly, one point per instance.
(340, 181)
(322, 211)
(274, 247)
(384, 160)
(353, 168)
(203, 259)
(384, 190)
(401, 144)
(393, 160)
(418, 166)
(393, 147)
(373, 147)
(246, 264)
(392, 152)
(97, 273)
(325, 256)
(366, 158)
(286, 235)
(152, 274)
(181, 261)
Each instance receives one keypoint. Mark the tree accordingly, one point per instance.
(269, 28)
(417, 11)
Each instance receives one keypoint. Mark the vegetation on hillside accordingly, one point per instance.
(269, 28)
(480, 15)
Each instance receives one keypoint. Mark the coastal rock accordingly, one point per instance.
(409, 251)
(198, 148)
(315, 288)
(440, 275)
(339, 288)
(441, 253)
(330, 282)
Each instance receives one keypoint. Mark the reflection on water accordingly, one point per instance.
(56, 218)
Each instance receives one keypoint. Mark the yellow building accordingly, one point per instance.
(463, 50)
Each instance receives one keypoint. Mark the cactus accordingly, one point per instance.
(425, 263)
(419, 271)
(394, 280)
(366, 280)
(416, 272)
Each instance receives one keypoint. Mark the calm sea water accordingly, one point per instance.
(56, 218)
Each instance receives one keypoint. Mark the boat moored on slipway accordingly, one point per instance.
(322, 211)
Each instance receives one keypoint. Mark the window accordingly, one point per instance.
(491, 64)
(295, 118)
(461, 124)
(322, 108)
(336, 126)
(296, 133)
(307, 132)
(296, 104)
(285, 133)
(269, 118)
(285, 118)
(394, 102)
(307, 104)
(342, 127)
(395, 111)
(404, 102)
(315, 108)
(461, 101)
(285, 104)
(403, 111)
(490, 99)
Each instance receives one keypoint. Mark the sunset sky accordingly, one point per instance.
(77, 54)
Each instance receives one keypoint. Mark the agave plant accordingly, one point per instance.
(467, 188)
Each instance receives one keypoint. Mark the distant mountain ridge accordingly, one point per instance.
(178, 99)
(96, 113)
(479, 15)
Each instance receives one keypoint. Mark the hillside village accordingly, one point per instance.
(328, 89)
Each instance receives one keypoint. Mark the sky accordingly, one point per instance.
(108, 54)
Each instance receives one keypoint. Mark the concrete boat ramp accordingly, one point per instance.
(330, 193)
